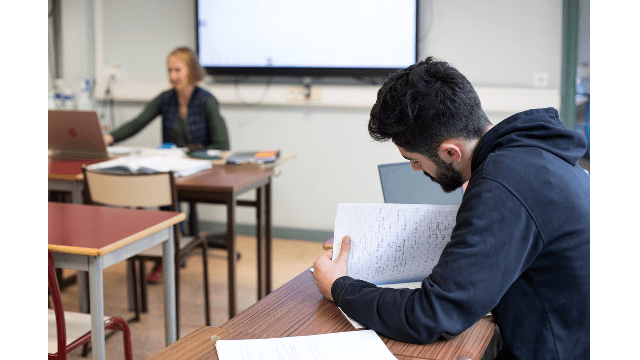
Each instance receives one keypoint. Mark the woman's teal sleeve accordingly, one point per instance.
(150, 112)
(217, 127)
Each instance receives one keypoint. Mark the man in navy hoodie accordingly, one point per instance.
(520, 246)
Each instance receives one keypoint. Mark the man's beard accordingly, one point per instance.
(447, 177)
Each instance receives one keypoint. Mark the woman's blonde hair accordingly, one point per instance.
(189, 58)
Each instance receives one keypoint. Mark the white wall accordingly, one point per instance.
(496, 43)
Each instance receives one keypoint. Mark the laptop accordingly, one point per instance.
(75, 134)
(402, 185)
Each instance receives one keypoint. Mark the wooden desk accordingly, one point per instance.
(91, 238)
(198, 345)
(222, 185)
(297, 309)
(219, 185)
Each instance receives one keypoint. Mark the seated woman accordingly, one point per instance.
(190, 115)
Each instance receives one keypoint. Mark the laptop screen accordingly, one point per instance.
(76, 134)
(402, 185)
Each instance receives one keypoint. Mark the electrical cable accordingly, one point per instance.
(259, 102)
(53, 8)
(109, 101)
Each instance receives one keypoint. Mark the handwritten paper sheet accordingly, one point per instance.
(350, 345)
(393, 243)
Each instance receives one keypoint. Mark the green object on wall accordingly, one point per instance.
(570, 16)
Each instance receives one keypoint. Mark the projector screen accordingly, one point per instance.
(306, 38)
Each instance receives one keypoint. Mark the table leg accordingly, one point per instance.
(97, 307)
(169, 272)
(76, 193)
(231, 253)
(269, 237)
(131, 293)
(83, 292)
(261, 242)
(193, 219)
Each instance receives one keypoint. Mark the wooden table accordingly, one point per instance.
(92, 238)
(297, 309)
(220, 185)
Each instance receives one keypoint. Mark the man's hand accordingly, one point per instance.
(326, 271)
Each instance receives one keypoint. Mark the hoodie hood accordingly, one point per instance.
(540, 128)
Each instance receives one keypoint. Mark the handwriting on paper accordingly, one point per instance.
(393, 243)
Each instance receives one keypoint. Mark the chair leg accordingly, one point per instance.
(85, 349)
(126, 335)
(205, 271)
(143, 286)
(65, 282)
(131, 263)
(117, 323)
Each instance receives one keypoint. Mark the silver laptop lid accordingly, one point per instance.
(76, 134)
(402, 185)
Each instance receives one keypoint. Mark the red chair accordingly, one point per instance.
(69, 330)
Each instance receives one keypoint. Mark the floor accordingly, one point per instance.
(290, 258)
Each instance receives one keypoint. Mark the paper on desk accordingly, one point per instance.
(181, 166)
(351, 345)
(122, 150)
(175, 152)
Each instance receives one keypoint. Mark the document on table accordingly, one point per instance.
(350, 345)
(181, 166)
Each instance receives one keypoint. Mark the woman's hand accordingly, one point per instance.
(108, 139)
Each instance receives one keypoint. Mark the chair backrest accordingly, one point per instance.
(131, 190)
(402, 185)
(58, 310)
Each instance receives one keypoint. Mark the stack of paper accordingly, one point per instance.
(140, 164)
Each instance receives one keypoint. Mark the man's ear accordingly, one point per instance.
(450, 151)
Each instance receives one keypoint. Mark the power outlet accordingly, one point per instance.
(112, 72)
(540, 80)
(302, 94)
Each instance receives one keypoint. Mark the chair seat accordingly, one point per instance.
(77, 324)
(157, 250)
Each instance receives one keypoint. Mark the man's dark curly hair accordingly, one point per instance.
(425, 104)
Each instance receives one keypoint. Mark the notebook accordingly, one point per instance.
(402, 185)
(254, 157)
(76, 135)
